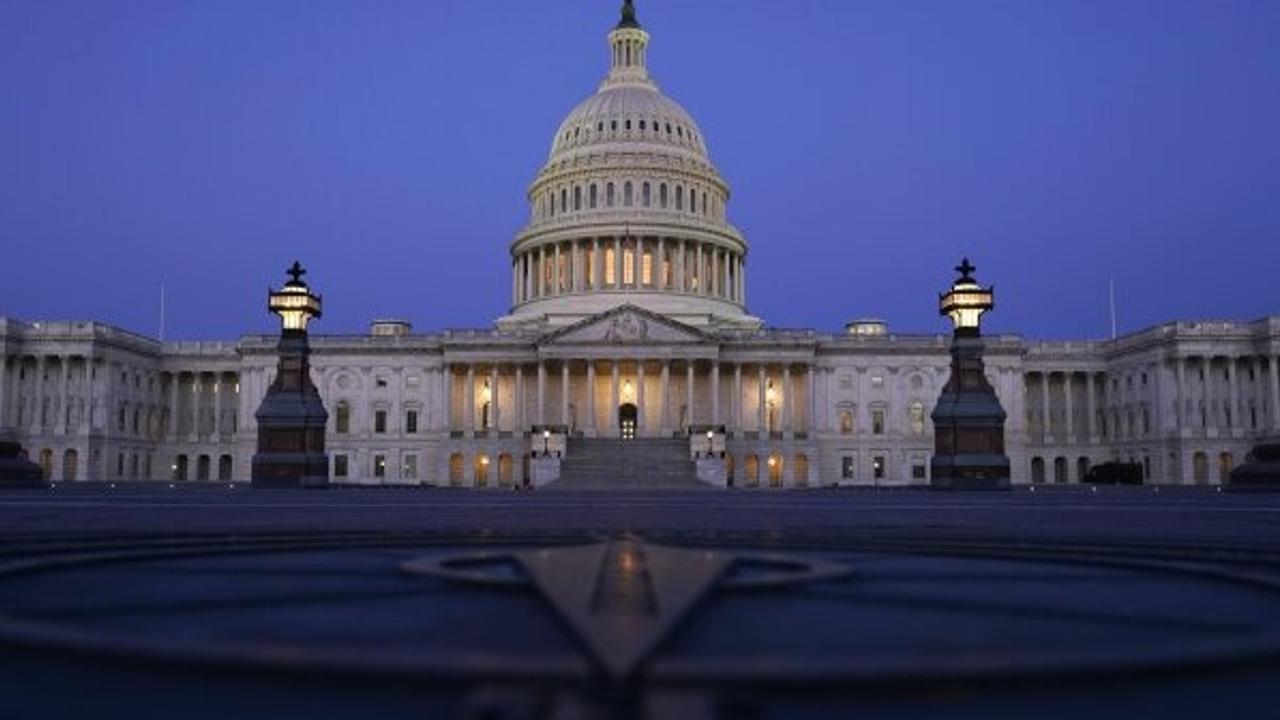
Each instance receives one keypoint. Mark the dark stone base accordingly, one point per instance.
(18, 472)
(290, 470)
(969, 472)
(1261, 472)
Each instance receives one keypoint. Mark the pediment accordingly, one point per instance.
(626, 325)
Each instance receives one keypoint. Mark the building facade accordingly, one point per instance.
(629, 319)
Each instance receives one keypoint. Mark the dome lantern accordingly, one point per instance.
(629, 45)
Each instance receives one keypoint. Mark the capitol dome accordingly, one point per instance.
(629, 209)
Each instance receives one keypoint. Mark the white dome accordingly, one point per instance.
(630, 114)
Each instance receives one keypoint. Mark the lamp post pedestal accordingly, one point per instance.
(292, 419)
(968, 420)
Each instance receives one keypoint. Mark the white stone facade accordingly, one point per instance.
(629, 288)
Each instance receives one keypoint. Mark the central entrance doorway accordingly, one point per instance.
(627, 415)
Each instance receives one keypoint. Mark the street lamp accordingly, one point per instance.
(966, 301)
(294, 303)
(546, 441)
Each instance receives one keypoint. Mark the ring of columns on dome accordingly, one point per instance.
(636, 263)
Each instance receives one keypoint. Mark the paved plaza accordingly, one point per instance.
(210, 601)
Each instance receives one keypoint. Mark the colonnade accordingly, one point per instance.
(620, 263)
(668, 396)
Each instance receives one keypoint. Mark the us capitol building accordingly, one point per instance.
(629, 327)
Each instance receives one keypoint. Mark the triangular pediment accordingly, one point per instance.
(626, 325)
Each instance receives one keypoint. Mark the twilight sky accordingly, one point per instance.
(204, 145)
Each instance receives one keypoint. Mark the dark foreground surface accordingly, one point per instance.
(211, 602)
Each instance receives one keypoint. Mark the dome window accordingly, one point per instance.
(662, 196)
(600, 127)
(679, 131)
(668, 128)
(576, 131)
(608, 195)
(627, 194)
(680, 197)
(647, 195)
(595, 192)
(577, 198)
(615, 126)
(642, 127)
(628, 125)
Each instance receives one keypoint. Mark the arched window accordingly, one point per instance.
(577, 198)
(564, 200)
(342, 418)
(1037, 470)
(916, 414)
(627, 198)
(593, 197)
(680, 197)
(455, 469)
(642, 126)
(662, 196)
(704, 203)
(608, 195)
(646, 195)
(549, 202)
(693, 201)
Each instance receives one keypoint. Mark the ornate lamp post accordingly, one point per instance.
(291, 418)
(968, 420)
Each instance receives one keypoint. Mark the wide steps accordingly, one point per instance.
(600, 463)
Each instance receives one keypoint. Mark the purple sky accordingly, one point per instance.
(205, 145)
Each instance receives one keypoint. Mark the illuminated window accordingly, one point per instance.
(379, 466)
(878, 467)
(628, 266)
(563, 264)
(846, 422)
(877, 381)
(646, 268)
(846, 467)
(609, 267)
(409, 467)
(916, 413)
(877, 421)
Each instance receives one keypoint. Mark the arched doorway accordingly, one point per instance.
(482, 471)
(1037, 470)
(1082, 468)
(627, 417)
(202, 467)
(180, 467)
(775, 470)
(1226, 462)
(752, 473)
(504, 471)
(70, 459)
(455, 470)
(800, 471)
(1059, 470)
(224, 468)
(1200, 468)
(46, 463)
(728, 469)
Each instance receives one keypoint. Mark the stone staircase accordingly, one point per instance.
(643, 463)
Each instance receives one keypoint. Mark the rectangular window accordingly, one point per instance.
(877, 467)
(877, 422)
(340, 466)
(610, 267)
(646, 269)
(918, 472)
(380, 421)
(846, 467)
(379, 466)
(846, 422)
(628, 266)
(591, 260)
(411, 422)
(410, 469)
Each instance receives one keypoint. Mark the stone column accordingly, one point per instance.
(542, 271)
(517, 402)
(1045, 413)
(689, 391)
(700, 272)
(641, 425)
(1069, 405)
(4, 392)
(469, 400)
(197, 389)
(1180, 367)
(665, 424)
(1090, 407)
(217, 406)
(1209, 396)
(494, 402)
(682, 284)
(715, 393)
(591, 396)
(446, 375)
(37, 416)
(597, 273)
(737, 397)
(60, 423)
(617, 266)
(1272, 361)
(786, 399)
(613, 398)
(542, 392)
(1233, 393)
(810, 400)
(564, 393)
(557, 277)
(762, 410)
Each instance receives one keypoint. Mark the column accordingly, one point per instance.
(575, 259)
(494, 417)
(447, 378)
(217, 406)
(1071, 421)
(715, 393)
(1180, 367)
(542, 392)
(1090, 406)
(517, 402)
(37, 416)
(197, 389)
(699, 271)
(60, 422)
(1272, 360)
(737, 397)
(1233, 392)
(613, 398)
(4, 392)
(641, 425)
(661, 266)
(665, 424)
(557, 279)
(591, 395)
(810, 400)
(564, 392)
(617, 268)
(682, 283)
(689, 390)
(542, 271)
(762, 410)
(597, 265)
(1046, 417)
(786, 399)
(527, 290)
(469, 400)
(1208, 417)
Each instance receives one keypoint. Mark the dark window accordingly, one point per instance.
(379, 466)
(411, 422)
(917, 472)
(340, 466)
(380, 421)
(877, 467)
(846, 467)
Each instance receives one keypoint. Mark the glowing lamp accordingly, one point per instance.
(966, 301)
(294, 303)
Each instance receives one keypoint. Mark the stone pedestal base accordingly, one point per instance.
(970, 472)
(1260, 472)
(544, 470)
(18, 472)
(290, 470)
(711, 470)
